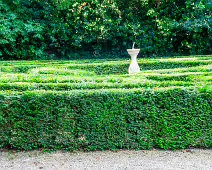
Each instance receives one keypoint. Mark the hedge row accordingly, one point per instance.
(92, 85)
(104, 68)
(169, 118)
(117, 80)
(122, 68)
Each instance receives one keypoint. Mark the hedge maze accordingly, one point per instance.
(96, 105)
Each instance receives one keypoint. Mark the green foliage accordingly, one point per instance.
(121, 68)
(36, 29)
(99, 120)
(19, 39)
(95, 105)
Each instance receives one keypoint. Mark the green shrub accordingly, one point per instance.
(169, 118)
(121, 67)
(17, 69)
(82, 105)
(24, 86)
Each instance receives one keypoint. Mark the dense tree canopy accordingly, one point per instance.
(36, 29)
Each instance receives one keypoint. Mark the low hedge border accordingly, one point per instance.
(122, 68)
(165, 118)
(90, 85)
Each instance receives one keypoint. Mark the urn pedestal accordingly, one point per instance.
(134, 67)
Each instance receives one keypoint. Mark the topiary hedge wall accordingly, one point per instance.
(165, 118)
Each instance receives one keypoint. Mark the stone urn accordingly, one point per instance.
(134, 67)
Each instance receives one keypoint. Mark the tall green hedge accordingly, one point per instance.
(35, 29)
(169, 118)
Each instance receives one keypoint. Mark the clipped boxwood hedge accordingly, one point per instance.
(122, 68)
(168, 118)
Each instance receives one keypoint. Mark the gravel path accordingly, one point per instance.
(194, 159)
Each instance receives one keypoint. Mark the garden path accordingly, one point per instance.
(190, 159)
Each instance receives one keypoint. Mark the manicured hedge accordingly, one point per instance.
(122, 68)
(90, 85)
(168, 118)
(17, 69)
(82, 105)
